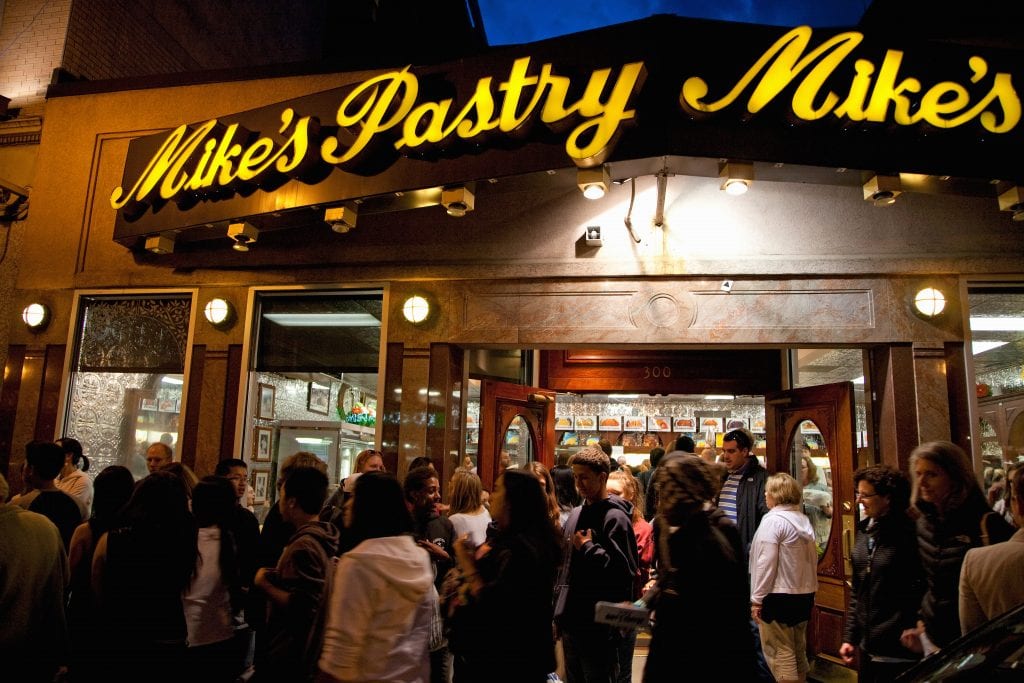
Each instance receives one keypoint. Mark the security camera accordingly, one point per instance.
(726, 285)
(243, 234)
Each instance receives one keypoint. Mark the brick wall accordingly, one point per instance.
(31, 45)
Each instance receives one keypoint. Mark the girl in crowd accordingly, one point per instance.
(73, 479)
(112, 489)
(139, 573)
(955, 517)
(702, 607)
(383, 596)
(887, 579)
(541, 474)
(624, 485)
(509, 582)
(467, 512)
(783, 578)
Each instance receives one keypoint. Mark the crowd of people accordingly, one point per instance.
(171, 577)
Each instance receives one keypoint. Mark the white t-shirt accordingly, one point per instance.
(206, 602)
(472, 523)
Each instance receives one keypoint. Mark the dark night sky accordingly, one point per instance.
(524, 21)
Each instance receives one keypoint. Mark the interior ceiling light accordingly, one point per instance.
(593, 182)
(458, 200)
(342, 218)
(160, 244)
(929, 302)
(882, 190)
(36, 316)
(719, 397)
(737, 176)
(994, 324)
(243, 234)
(981, 346)
(1013, 200)
(322, 319)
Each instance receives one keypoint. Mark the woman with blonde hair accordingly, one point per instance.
(955, 517)
(783, 578)
(467, 512)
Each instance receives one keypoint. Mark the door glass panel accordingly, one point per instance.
(810, 465)
(517, 445)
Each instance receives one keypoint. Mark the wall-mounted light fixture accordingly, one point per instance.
(219, 313)
(342, 218)
(1013, 200)
(593, 182)
(160, 244)
(882, 190)
(36, 316)
(416, 309)
(929, 302)
(458, 200)
(737, 177)
(243, 233)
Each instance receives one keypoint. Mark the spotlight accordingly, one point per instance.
(36, 316)
(737, 177)
(342, 218)
(160, 244)
(1013, 200)
(244, 234)
(457, 200)
(593, 181)
(882, 190)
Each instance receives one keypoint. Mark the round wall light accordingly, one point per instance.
(416, 309)
(929, 302)
(36, 316)
(219, 312)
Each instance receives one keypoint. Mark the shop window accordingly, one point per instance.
(997, 350)
(127, 377)
(313, 382)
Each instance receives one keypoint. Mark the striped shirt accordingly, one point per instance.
(727, 497)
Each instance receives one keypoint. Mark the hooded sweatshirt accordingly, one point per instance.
(783, 558)
(305, 571)
(379, 612)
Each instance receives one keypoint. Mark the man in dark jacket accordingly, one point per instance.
(742, 494)
(601, 564)
(434, 533)
(297, 589)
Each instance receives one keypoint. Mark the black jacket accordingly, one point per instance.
(750, 503)
(439, 531)
(887, 586)
(604, 569)
(943, 542)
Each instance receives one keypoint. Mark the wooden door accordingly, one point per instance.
(821, 420)
(518, 420)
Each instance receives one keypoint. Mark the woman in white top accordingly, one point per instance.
(783, 578)
(467, 513)
(73, 479)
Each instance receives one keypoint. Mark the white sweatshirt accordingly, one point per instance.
(379, 611)
(783, 557)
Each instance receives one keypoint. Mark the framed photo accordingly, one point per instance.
(265, 408)
(634, 424)
(808, 427)
(585, 422)
(148, 404)
(564, 422)
(712, 424)
(684, 424)
(610, 423)
(735, 423)
(168, 405)
(263, 438)
(758, 425)
(260, 483)
(319, 399)
(657, 423)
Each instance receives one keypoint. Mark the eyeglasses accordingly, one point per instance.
(864, 495)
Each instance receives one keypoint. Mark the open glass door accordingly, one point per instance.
(811, 435)
(517, 426)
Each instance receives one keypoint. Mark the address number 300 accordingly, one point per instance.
(657, 371)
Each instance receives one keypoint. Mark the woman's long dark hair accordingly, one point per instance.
(74, 447)
(213, 501)
(112, 490)
(378, 508)
(524, 515)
